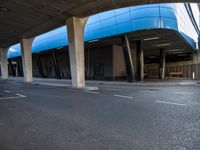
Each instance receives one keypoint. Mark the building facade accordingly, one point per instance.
(170, 27)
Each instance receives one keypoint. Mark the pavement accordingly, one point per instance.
(90, 83)
(112, 117)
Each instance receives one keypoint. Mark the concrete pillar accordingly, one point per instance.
(140, 60)
(75, 28)
(196, 62)
(134, 56)
(11, 67)
(40, 67)
(162, 64)
(4, 63)
(26, 50)
(56, 66)
(128, 59)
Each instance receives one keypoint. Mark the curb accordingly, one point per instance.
(87, 88)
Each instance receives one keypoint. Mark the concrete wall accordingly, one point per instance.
(100, 63)
(119, 70)
(64, 64)
(48, 66)
(186, 69)
(36, 72)
(107, 63)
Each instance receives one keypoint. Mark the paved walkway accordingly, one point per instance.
(153, 82)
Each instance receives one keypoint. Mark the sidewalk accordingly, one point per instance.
(67, 83)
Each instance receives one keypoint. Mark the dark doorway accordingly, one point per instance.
(98, 71)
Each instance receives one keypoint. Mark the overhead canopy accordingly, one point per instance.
(28, 18)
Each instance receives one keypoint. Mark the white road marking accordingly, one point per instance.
(123, 96)
(7, 91)
(171, 103)
(20, 95)
(113, 89)
(92, 92)
(147, 91)
(14, 97)
(10, 97)
(184, 92)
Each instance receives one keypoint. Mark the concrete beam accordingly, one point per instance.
(128, 59)
(196, 62)
(12, 68)
(26, 49)
(4, 63)
(140, 60)
(75, 28)
(162, 64)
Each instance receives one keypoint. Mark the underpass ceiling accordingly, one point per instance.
(28, 18)
(169, 40)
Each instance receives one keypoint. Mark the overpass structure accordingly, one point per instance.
(23, 20)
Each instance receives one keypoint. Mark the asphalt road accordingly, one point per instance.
(115, 117)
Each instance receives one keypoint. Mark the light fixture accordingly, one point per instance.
(151, 39)
(162, 45)
(182, 55)
(152, 57)
(177, 52)
(59, 48)
(174, 50)
(4, 9)
(96, 40)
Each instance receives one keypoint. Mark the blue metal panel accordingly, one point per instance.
(119, 21)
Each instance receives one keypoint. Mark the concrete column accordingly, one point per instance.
(40, 67)
(75, 28)
(4, 63)
(56, 66)
(140, 60)
(196, 62)
(12, 68)
(26, 49)
(134, 56)
(162, 64)
(128, 59)
(19, 67)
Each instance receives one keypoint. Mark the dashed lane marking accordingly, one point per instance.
(171, 103)
(184, 92)
(7, 91)
(20, 95)
(147, 91)
(113, 89)
(92, 92)
(123, 96)
(10, 98)
(13, 97)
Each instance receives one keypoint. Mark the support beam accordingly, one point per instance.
(26, 49)
(196, 62)
(75, 28)
(128, 59)
(4, 63)
(19, 68)
(162, 64)
(140, 60)
(11, 67)
(40, 67)
(55, 63)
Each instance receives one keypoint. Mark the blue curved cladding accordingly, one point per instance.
(119, 21)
